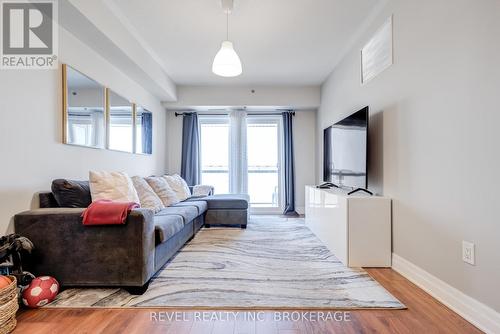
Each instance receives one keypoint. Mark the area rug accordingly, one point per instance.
(276, 263)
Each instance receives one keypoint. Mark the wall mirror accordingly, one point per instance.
(120, 123)
(143, 131)
(84, 110)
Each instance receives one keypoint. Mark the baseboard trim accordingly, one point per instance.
(477, 313)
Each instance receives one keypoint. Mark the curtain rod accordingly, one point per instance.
(248, 113)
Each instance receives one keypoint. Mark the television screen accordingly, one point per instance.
(345, 146)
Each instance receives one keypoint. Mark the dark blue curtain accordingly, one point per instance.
(288, 165)
(147, 132)
(190, 165)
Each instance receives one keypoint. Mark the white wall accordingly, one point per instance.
(304, 141)
(174, 139)
(435, 117)
(295, 97)
(304, 144)
(31, 150)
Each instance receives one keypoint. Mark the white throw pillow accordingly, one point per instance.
(147, 195)
(202, 190)
(115, 186)
(163, 190)
(177, 183)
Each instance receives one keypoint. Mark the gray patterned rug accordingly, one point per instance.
(276, 263)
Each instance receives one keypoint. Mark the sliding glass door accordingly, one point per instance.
(264, 153)
(214, 144)
(261, 142)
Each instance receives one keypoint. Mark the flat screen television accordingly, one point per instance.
(345, 151)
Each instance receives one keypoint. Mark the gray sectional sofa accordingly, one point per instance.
(119, 255)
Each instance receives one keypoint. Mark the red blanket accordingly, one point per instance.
(105, 212)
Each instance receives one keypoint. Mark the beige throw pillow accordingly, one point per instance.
(147, 195)
(178, 185)
(115, 186)
(163, 190)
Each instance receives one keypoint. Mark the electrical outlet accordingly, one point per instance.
(468, 252)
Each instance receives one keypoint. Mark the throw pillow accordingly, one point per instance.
(203, 190)
(178, 185)
(115, 186)
(71, 194)
(147, 195)
(163, 190)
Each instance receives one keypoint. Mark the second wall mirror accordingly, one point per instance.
(120, 123)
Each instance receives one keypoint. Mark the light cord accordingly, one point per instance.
(227, 26)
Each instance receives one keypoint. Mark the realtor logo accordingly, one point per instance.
(29, 34)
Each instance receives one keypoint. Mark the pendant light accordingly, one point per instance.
(226, 62)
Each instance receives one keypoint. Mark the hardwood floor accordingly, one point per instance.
(424, 315)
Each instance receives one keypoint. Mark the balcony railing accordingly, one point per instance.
(263, 184)
(216, 176)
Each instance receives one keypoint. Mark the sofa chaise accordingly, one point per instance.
(125, 255)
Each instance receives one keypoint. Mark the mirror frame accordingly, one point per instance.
(107, 112)
(134, 128)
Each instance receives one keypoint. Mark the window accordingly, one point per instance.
(82, 134)
(85, 126)
(263, 149)
(223, 168)
(120, 126)
(214, 144)
(120, 129)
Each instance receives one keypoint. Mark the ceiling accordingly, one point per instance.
(280, 42)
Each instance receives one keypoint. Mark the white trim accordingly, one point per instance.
(265, 211)
(472, 310)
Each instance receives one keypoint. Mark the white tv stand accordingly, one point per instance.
(356, 228)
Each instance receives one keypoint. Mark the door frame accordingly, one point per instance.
(266, 119)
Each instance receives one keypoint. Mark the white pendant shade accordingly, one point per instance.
(226, 61)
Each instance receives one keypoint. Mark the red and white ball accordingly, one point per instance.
(41, 291)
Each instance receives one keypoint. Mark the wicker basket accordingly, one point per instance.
(8, 307)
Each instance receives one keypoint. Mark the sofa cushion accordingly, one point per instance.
(188, 213)
(163, 190)
(147, 195)
(226, 201)
(201, 206)
(71, 194)
(167, 226)
(115, 186)
(179, 186)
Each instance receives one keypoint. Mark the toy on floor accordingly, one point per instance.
(41, 291)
